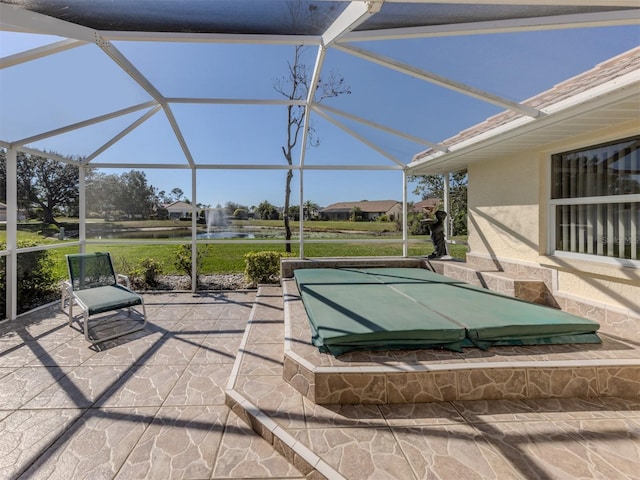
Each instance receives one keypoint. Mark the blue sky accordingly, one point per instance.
(82, 83)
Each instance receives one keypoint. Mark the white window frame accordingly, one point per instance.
(634, 235)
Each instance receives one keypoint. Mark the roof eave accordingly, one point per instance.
(598, 97)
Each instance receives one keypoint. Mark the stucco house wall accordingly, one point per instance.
(508, 223)
(504, 215)
(178, 209)
(395, 212)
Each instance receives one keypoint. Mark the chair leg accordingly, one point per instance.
(64, 297)
(86, 327)
(70, 311)
(119, 334)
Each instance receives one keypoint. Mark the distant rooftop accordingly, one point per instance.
(366, 206)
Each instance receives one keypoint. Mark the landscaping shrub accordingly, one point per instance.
(415, 224)
(263, 267)
(183, 259)
(37, 283)
(141, 275)
(150, 270)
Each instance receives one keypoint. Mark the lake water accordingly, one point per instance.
(234, 234)
(218, 233)
(175, 233)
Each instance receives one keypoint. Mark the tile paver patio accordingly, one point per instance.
(148, 405)
(152, 405)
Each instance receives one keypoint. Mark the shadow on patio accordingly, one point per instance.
(147, 405)
(152, 405)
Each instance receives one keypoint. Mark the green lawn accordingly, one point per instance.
(317, 225)
(229, 258)
(328, 226)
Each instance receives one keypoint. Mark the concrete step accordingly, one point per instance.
(531, 290)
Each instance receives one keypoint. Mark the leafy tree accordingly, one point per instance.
(433, 186)
(162, 213)
(43, 183)
(178, 194)
(296, 85)
(294, 212)
(266, 211)
(162, 198)
(102, 191)
(137, 197)
(231, 207)
(128, 193)
(241, 213)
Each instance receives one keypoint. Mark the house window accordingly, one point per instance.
(595, 200)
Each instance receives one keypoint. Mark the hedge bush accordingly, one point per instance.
(37, 282)
(263, 267)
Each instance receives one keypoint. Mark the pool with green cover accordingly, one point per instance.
(402, 308)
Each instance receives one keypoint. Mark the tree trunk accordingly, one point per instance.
(287, 227)
(48, 216)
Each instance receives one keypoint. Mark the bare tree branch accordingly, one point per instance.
(296, 86)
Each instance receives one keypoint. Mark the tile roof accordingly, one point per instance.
(368, 206)
(429, 203)
(602, 73)
(178, 205)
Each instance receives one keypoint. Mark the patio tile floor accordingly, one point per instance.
(152, 405)
(522, 438)
(147, 405)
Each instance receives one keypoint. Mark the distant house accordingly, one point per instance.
(178, 209)
(369, 210)
(22, 213)
(427, 206)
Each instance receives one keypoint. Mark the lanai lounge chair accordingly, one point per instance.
(93, 286)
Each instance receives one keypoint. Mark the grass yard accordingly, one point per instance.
(229, 257)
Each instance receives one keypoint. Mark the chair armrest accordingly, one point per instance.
(125, 279)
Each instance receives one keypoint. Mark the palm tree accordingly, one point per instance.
(310, 209)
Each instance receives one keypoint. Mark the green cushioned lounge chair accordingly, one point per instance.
(93, 286)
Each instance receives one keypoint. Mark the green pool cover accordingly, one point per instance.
(400, 308)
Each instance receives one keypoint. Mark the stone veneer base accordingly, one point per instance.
(436, 375)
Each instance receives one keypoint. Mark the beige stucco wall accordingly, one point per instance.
(396, 211)
(508, 221)
(597, 283)
(504, 199)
